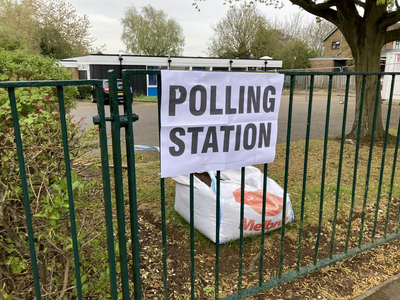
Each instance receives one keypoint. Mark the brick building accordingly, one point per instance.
(337, 53)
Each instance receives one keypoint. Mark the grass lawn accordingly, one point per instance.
(145, 98)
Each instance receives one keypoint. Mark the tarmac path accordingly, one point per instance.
(146, 128)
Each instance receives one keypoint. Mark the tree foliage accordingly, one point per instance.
(52, 43)
(364, 23)
(246, 33)
(296, 55)
(51, 28)
(300, 26)
(268, 42)
(235, 34)
(317, 31)
(151, 32)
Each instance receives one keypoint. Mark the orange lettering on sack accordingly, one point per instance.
(251, 225)
(248, 226)
(254, 199)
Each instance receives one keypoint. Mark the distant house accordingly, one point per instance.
(96, 66)
(337, 52)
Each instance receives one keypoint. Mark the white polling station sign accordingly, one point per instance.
(217, 120)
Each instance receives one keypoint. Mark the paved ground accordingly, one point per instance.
(146, 129)
(388, 290)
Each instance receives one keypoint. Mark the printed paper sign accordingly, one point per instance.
(217, 120)
(397, 64)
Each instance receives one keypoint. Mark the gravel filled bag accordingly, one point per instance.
(229, 221)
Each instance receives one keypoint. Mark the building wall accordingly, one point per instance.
(392, 65)
(320, 64)
(344, 49)
(388, 46)
(75, 73)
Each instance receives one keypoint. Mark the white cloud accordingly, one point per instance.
(107, 31)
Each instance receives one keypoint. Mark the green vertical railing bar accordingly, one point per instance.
(191, 236)
(393, 172)
(242, 182)
(353, 192)
(307, 145)
(322, 192)
(162, 187)
(67, 161)
(343, 138)
(384, 156)
(260, 275)
(107, 192)
(130, 154)
(285, 188)
(164, 238)
(25, 193)
(217, 227)
(119, 193)
(371, 148)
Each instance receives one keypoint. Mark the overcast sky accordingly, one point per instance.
(105, 16)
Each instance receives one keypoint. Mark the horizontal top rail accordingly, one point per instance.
(97, 82)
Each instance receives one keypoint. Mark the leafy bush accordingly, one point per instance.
(85, 91)
(39, 119)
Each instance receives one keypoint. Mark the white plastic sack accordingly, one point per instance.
(205, 204)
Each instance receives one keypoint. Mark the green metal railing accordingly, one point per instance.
(11, 86)
(126, 197)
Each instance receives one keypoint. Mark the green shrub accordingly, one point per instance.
(39, 119)
(85, 91)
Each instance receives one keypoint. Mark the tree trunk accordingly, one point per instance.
(367, 59)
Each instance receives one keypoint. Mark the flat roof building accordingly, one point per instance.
(96, 66)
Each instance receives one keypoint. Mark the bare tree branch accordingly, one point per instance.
(390, 18)
(323, 10)
(392, 35)
(359, 3)
(66, 278)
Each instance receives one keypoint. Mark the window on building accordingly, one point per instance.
(220, 69)
(82, 74)
(396, 45)
(335, 45)
(153, 78)
(239, 69)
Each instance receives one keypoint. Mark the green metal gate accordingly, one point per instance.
(331, 237)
